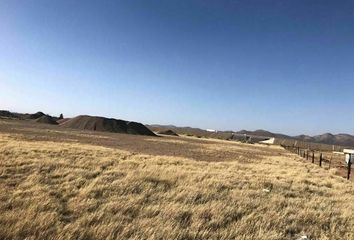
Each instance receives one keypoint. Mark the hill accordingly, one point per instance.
(24, 116)
(342, 139)
(63, 120)
(264, 133)
(46, 119)
(197, 132)
(95, 123)
(8, 114)
(34, 115)
(327, 138)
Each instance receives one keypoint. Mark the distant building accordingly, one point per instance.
(349, 155)
(270, 141)
(211, 130)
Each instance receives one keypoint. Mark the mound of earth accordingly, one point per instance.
(35, 115)
(85, 122)
(7, 114)
(46, 119)
(63, 120)
(167, 132)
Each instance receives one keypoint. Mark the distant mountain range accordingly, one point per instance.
(327, 138)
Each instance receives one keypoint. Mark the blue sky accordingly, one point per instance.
(284, 66)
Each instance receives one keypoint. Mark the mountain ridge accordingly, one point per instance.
(341, 139)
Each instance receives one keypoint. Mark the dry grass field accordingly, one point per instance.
(67, 184)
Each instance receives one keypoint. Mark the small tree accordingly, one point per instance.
(61, 116)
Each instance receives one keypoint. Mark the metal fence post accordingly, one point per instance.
(313, 156)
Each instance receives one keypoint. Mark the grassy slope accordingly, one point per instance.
(65, 190)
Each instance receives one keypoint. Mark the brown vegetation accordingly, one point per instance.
(69, 184)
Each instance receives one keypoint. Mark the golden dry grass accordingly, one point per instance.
(72, 190)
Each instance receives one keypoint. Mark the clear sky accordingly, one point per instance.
(285, 66)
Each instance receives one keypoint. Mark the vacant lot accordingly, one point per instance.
(64, 184)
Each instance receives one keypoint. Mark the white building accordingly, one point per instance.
(211, 130)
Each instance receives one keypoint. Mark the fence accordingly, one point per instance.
(326, 160)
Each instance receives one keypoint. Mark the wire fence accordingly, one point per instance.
(324, 159)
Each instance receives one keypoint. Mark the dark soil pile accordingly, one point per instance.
(167, 132)
(46, 119)
(60, 121)
(35, 115)
(7, 114)
(85, 122)
(138, 128)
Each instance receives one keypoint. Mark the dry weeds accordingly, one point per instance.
(66, 190)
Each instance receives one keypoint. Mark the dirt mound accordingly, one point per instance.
(35, 115)
(167, 132)
(7, 114)
(46, 119)
(138, 128)
(63, 120)
(85, 122)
